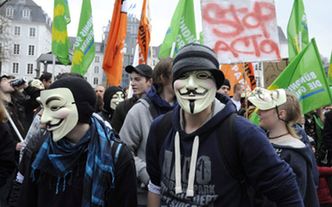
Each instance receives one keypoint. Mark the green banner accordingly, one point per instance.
(297, 30)
(84, 51)
(60, 42)
(305, 77)
(181, 31)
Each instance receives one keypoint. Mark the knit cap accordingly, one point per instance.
(194, 57)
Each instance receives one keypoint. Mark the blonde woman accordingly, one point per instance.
(7, 156)
(278, 111)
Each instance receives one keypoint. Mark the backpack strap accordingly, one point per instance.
(229, 148)
(163, 128)
(153, 111)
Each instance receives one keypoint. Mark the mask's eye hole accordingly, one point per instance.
(203, 75)
(184, 76)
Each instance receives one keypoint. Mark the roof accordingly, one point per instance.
(36, 12)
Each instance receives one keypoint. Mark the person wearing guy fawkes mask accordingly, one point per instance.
(186, 165)
(80, 163)
(112, 97)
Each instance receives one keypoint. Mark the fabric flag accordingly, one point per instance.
(143, 35)
(297, 30)
(305, 77)
(60, 42)
(181, 31)
(113, 56)
(84, 47)
(330, 71)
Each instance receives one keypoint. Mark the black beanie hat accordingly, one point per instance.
(108, 97)
(193, 57)
(84, 95)
(227, 83)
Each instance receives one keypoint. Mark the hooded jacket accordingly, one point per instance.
(301, 159)
(213, 184)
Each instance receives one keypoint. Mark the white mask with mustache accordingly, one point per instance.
(195, 91)
(60, 113)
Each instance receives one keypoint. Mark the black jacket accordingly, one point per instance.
(7, 154)
(120, 113)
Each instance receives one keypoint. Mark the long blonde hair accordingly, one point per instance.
(293, 112)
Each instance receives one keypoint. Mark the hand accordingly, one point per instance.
(20, 146)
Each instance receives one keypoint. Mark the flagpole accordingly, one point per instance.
(53, 66)
(13, 125)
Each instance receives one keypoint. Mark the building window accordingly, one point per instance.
(26, 13)
(9, 12)
(0, 49)
(15, 67)
(31, 50)
(96, 69)
(95, 81)
(29, 68)
(1, 29)
(32, 32)
(97, 59)
(17, 31)
(16, 49)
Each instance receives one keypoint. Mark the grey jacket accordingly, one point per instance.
(134, 133)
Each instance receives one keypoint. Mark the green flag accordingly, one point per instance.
(181, 31)
(297, 30)
(330, 71)
(84, 51)
(60, 42)
(305, 77)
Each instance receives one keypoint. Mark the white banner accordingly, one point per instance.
(241, 30)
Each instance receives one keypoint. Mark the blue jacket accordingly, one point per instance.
(214, 185)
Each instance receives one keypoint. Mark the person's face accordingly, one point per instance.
(139, 83)
(100, 91)
(224, 90)
(267, 118)
(47, 83)
(195, 91)
(60, 113)
(5, 85)
(116, 99)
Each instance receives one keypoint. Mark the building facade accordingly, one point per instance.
(25, 33)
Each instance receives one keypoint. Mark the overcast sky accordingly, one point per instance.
(318, 12)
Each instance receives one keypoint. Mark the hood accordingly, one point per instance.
(221, 111)
(209, 125)
(160, 103)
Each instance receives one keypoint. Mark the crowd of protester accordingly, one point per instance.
(179, 140)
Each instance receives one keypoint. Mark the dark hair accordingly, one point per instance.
(162, 73)
(45, 76)
(66, 75)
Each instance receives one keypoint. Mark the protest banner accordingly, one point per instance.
(241, 30)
